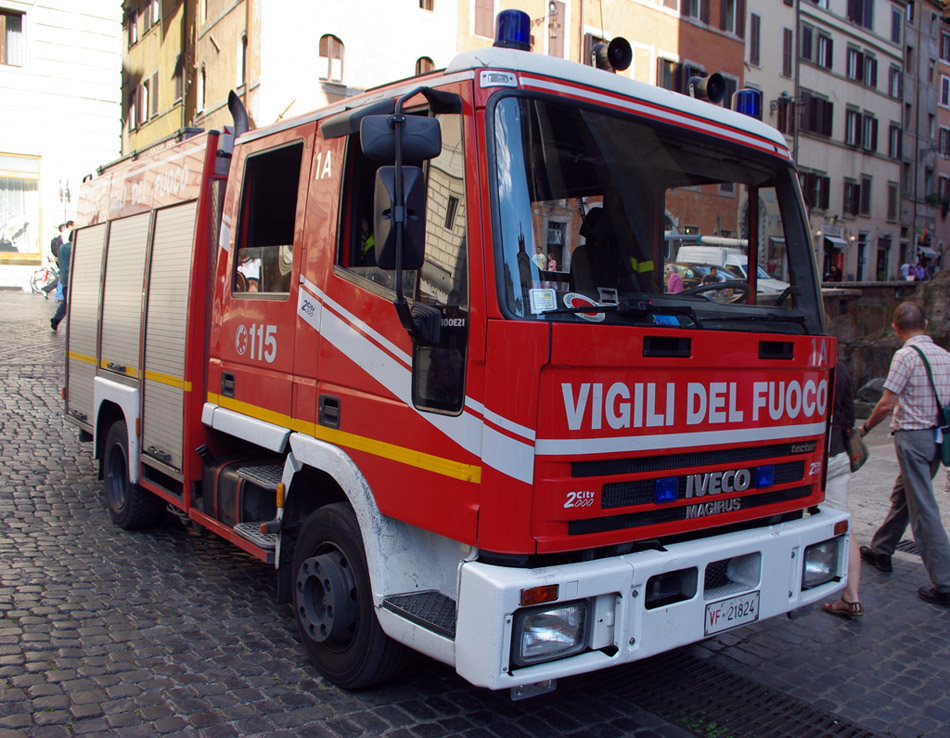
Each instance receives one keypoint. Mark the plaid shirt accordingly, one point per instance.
(916, 408)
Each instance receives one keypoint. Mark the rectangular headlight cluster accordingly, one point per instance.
(549, 632)
(821, 563)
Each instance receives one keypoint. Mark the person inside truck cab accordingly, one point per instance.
(594, 263)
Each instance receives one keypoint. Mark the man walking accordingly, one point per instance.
(65, 253)
(908, 393)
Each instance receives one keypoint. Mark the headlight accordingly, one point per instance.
(821, 563)
(549, 632)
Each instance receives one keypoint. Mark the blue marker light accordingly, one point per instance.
(748, 102)
(513, 30)
(764, 476)
(665, 490)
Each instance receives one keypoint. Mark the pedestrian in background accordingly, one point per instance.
(65, 254)
(837, 485)
(907, 392)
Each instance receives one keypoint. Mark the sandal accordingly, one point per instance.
(844, 609)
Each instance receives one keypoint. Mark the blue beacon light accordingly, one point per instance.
(748, 102)
(513, 30)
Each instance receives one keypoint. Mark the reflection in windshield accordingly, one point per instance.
(596, 209)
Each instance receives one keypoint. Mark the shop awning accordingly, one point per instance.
(929, 253)
(835, 243)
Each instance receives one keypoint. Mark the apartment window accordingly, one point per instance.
(855, 66)
(154, 11)
(944, 91)
(134, 109)
(732, 16)
(945, 47)
(785, 115)
(865, 195)
(427, 4)
(895, 82)
(240, 77)
(943, 188)
(808, 34)
(669, 75)
(931, 125)
(331, 59)
(815, 187)
(731, 85)
(945, 141)
(755, 48)
(202, 79)
(424, 65)
(862, 13)
(932, 71)
(852, 127)
(698, 9)
(892, 196)
(869, 132)
(816, 114)
(870, 71)
(825, 51)
(484, 18)
(787, 48)
(154, 90)
(11, 38)
(143, 101)
(895, 137)
(907, 179)
(897, 22)
(179, 77)
(910, 12)
(852, 198)
(133, 29)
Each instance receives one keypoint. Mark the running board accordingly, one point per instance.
(252, 532)
(432, 610)
(266, 477)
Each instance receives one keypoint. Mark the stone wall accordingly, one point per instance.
(859, 314)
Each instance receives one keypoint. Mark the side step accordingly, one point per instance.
(432, 610)
(266, 477)
(252, 532)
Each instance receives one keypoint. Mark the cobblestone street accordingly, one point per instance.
(165, 631)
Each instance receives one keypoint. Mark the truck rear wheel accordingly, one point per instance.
(130, 506)
(333, 602)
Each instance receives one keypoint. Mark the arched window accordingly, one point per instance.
(424, 64)
(331, 58)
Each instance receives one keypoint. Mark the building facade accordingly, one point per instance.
(60, 83)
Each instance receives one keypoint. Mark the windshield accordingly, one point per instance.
(593, 212)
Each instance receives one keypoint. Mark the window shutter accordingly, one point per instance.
(704, 11)
(740, 18)
(723, 12)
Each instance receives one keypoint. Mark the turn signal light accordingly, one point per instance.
(841, 528)
(537, 595)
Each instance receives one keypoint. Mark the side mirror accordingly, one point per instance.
(385, 212)
(421, 138)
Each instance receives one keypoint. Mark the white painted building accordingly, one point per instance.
(315, 53)
(850, 124)
(60, 82)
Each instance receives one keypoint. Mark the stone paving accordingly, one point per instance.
(107, 632)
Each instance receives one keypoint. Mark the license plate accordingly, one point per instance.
(731, 613)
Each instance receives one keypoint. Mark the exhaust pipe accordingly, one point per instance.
(238, 114)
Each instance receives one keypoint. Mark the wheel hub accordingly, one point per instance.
(326, 604)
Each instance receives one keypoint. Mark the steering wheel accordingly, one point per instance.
(729, 284)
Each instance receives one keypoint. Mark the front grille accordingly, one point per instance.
(641, 492)
(681, 512)
(730, 456)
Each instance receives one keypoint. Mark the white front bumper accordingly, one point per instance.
(623, 629)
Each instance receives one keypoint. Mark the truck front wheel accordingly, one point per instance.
(333, 602)
(129, 505)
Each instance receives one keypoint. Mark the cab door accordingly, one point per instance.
(257, 282)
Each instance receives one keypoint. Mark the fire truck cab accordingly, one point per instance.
(419, 351)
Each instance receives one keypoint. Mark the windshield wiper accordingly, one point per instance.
(767, 318)
(638, 308)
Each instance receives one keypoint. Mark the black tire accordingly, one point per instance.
(129, 505)
(333, 603)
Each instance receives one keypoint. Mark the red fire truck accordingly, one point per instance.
(420, 352)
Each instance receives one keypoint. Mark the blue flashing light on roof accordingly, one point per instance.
(513, 30)
(748, 102)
